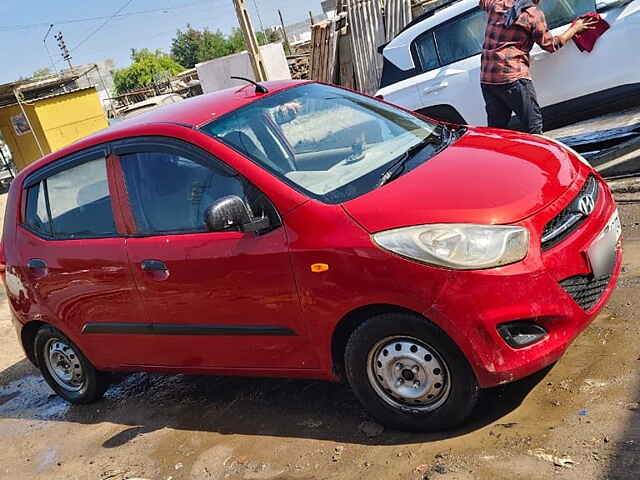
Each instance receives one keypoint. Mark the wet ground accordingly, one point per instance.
(577, 420)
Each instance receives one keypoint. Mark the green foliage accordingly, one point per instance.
(193, 46)
(236, 40)
(38, 74)
(268, 36)
(41, 72)
(147, 68)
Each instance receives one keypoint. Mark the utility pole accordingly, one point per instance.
(44, 41)
(64, 51)
(287, 45)
(250, 40)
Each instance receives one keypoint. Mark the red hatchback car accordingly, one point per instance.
(302, 230)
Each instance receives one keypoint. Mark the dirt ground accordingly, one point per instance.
(577, 420)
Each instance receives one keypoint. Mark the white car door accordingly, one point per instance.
(570, 74)
(449, 56)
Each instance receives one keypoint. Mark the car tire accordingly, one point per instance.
(409, 375)
(65, 368)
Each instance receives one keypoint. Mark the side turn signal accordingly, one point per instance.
(319, 267)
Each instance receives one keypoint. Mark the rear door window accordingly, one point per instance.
(462, 37)
(74, 203)
(561, 12)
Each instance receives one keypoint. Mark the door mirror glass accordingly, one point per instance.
(232, 213)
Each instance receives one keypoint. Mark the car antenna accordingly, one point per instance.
(259, 88)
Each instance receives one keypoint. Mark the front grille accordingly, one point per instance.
(569, 219)
(585, 289)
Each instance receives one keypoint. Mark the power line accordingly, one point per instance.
(102, 25)
(7, 28)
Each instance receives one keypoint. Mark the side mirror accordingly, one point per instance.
(231, 213)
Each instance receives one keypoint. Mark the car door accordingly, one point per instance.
(211, 299)
(73, 258)
(570, 74)
(449, 57)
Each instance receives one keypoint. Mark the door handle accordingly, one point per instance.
(37, 267)
(36, 264)
(156, 269)
(153, 266)
(441, 86)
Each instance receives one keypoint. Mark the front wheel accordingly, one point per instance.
(408, 374)
(67, 371)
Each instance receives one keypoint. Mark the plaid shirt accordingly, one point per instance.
(505, 53)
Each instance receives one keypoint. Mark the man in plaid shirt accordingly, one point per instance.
(512, 29)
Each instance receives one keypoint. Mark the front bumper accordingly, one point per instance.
(472, 304)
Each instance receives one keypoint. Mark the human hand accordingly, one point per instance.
(583, 24)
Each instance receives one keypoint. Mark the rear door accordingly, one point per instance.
(211, 299)
(569, 74)
(449, 57)
(73, 260)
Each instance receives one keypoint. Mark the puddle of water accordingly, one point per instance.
(31, 397)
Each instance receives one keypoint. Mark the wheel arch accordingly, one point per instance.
(28, 337)
(352, 320)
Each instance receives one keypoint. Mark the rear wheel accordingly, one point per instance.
(67, 371)
(408, 374)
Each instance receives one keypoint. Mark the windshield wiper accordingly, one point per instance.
(397, 167)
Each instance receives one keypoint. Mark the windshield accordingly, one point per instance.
(330, 143)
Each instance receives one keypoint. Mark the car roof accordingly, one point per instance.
(397, 51)
(192, 113)
(197, 111)
(157, 100)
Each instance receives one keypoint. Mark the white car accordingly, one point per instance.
(433, 66)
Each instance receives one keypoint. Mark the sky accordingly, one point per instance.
(24, 24)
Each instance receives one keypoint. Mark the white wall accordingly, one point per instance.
(214, 74)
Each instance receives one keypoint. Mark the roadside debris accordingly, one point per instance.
(337, 454)
(564, 461)
(507, 425)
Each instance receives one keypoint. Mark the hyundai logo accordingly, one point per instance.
(586, 205)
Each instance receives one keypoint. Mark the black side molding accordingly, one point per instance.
(179, 329)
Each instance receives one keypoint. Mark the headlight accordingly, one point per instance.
(459, 246)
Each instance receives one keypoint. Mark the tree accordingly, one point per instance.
(147, 68)
(268, 36)
(236, 40)
(41, 72)
(193, 46)
(38, 74)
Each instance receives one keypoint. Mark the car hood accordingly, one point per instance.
(487, 176)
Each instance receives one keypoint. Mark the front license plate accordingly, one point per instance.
(602, 252)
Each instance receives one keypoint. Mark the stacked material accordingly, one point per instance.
(344, 49)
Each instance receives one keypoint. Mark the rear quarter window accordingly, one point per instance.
(74, 203)
(37, 217)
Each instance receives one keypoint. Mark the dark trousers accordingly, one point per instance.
(518, 97)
